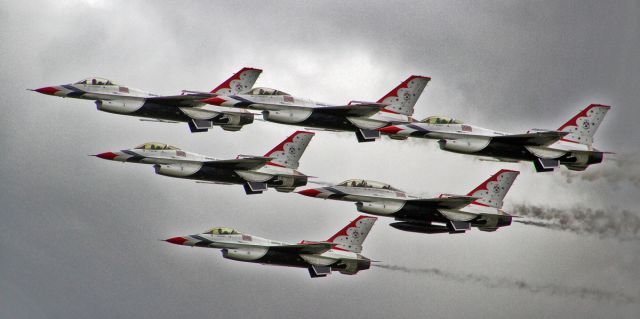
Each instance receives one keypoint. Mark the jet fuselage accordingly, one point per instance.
(341, 252)
(183, 164)
(474, 140)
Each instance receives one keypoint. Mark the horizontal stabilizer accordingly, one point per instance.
(358, 110)
(452, 202)
(530, 139)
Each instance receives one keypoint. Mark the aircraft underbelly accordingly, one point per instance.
(317, 260)
(456, 215)
(198, 114)
(253, 176)
(412, 212)
(212, 174)
(279, 258)
(499, 150)
(328, 121)
(366, 123)
(545, 152)
(163, 112)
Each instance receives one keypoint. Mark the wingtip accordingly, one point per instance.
(504, 170)
(599, 105)
(303, 132)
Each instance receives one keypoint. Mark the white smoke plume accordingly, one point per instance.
(507, 283)
(623, 168)
(611, 223)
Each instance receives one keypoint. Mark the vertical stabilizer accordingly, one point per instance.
(402, 98)
(353, 235)
(492, 191)
(289, 151)
(584, 125)
(241, 81)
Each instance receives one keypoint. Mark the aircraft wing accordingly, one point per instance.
(180, 100)
(246, 163)
(305, 248)
(452, 202)
(530, 139)
(358, 110)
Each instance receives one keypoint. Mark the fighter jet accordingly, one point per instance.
(569, 145)
(357, 116)
(481, 208)
(341, 252)
(186, 107)
(276, 169)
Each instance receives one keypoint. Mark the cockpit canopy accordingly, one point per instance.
(155, 146)
(266, 91)
(440, 120)
(367, 183)
(221, 231)
(95, 81)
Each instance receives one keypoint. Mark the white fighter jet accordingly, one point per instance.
(481, 208)
(363, 118)
(276, 169)
(569, 145)
(339, 253)
(186, 107)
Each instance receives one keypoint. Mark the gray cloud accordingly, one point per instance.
(78, 236)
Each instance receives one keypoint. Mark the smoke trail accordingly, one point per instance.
(624, 168)
(501, 282)
(612, 223)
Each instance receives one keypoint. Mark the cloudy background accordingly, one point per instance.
(79, 235)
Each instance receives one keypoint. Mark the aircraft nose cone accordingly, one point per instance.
(107, 155)
(214, 100)
(390, 129)
(176, 240)
(49, 90)
(311, 192)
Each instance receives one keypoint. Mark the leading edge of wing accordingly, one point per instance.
(305, 248)
(531, 139)
(246, 163)
(362, 109)
(182, 100)
(451, 202)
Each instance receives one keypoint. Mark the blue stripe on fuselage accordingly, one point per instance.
(243, 102)
(136, 158)
(75, 92)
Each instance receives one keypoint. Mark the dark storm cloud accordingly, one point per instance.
(508, 283)
(78, 236)
(612, 223)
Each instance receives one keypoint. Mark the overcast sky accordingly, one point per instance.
(79, 235)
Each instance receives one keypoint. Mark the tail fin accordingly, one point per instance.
(492, 191)
(288, 153)
(402, 99)
(583, 126)
(352, 236)
(239, 82)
